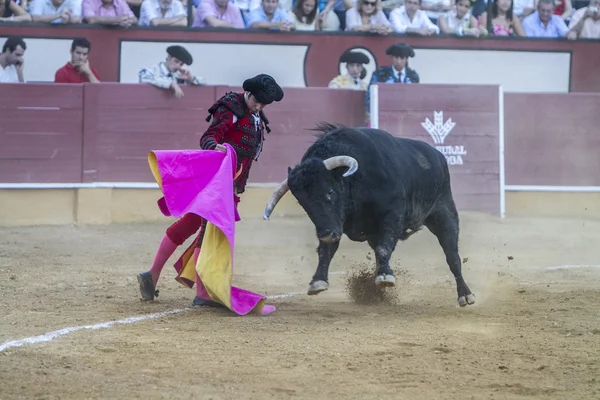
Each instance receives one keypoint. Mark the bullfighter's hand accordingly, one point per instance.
(177, 90)
(222, 148)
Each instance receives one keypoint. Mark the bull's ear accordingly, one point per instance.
(289, 170)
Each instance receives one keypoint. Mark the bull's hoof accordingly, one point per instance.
(466, 300)
(385, 280)
(317, 287)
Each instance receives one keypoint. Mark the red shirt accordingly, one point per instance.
(69, 74)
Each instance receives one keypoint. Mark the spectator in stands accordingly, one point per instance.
(564, 9)
(78, 70)
(355, 72)
(56, 11)
(398, 72)
(436, 8)
(544, 23)
(409, 18)
(12, 61)
(218, 14)
(523, 8)
(585, 23)
(171, 73)
(367, 16)
(304, 16)
(269, 16)
(341, 6)
(504, 23)
(460, 21)
(11, 11)
(328, 20)
(108, 12)
(162, 13)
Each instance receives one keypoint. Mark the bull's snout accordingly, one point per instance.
(328, 236)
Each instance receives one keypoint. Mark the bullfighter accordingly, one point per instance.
(239, 120)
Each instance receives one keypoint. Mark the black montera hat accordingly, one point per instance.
(400, 50)
(354, 57)
(180, 53)
(264, 88)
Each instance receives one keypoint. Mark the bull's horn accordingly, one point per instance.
(342, 161)
(275, 197)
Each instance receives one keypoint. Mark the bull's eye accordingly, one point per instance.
(330, 195)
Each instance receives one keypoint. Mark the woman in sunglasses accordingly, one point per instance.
(368, 16)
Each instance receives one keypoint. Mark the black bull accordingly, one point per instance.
(370, 185)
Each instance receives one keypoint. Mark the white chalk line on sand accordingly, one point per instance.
(572, 266)
(47, 337)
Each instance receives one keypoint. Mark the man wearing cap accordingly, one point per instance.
(237, 119)
(356, 72)
(398, 72)
(169, 74)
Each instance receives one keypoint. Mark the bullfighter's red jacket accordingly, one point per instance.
(233, 123)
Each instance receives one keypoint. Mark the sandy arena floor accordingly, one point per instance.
(534, 332)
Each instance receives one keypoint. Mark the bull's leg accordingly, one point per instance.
(444, 225)
(384, 247)
(320, 280)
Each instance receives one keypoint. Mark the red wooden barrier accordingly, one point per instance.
(40, 133)
(123, 122)
(552, 139)
(463, 122)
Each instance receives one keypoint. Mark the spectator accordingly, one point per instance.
(108, 12)
(436, 8)
(304, 16)
(398, 72)
(523, 8)
(355, 72)
(269, 16)
(169, 74)
(328, 20)
(78, 70)
(56, 11)
(11, 11)
(12, 61)
(544, 23)
(504, 23)
(564, 9)
(585, 23)
(460, 21)
(218, 14)
(367, 16)
(162, 12)
(409, 18)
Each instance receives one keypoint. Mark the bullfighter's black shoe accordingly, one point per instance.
(147, 289)
(199, 301)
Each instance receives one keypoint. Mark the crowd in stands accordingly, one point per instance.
(571, 19)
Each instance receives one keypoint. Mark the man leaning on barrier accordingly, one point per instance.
(171, 73)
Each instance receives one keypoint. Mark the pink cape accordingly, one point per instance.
(201, 182)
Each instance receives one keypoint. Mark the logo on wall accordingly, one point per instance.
(439, 130)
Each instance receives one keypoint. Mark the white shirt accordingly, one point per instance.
(45, 7)
(150, 9)
(9, 74)
(400, 21)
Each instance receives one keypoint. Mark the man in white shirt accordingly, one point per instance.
(409, 18)
(11, 60)
(56, 11)
(169, 74)
(163, 12)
